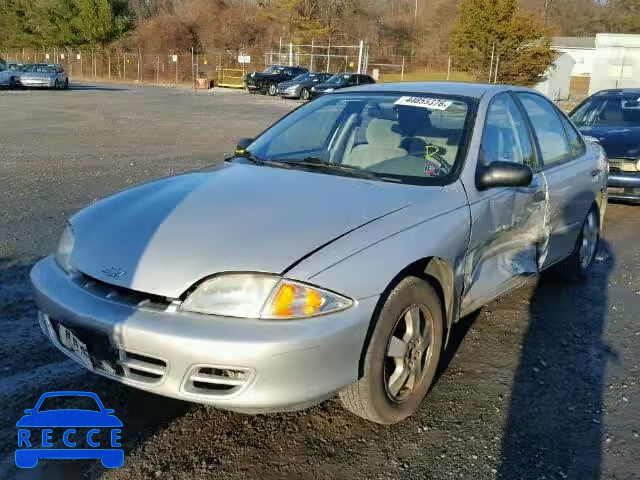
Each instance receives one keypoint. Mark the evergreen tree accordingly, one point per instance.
(521, 45)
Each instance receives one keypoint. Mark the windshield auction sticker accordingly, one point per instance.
(424, 102)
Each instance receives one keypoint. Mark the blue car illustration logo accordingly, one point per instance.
(69, 433)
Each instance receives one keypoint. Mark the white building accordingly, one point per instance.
(557, 81)
(581, 49)
(616, 63)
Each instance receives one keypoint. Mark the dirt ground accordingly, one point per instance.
(543, 383)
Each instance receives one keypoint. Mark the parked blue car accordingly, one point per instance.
(31, 448)
(613, 118)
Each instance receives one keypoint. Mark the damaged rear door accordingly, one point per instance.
(571, 172)
(509, 225)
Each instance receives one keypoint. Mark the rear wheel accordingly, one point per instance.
(13, 83)
(304, 94)
(402, 356)
(578, 264)
(272, 90)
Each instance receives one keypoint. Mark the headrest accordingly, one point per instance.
(379, 132)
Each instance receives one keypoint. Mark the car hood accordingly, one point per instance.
(164, 236)
(324, 86)
(290, 83)
(261, 75)
(618, 142)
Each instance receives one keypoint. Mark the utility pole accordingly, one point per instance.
(415, 29)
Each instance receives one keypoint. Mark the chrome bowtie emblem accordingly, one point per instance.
(113, 272)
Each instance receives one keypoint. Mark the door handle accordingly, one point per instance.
(595, 172)
(539, 196)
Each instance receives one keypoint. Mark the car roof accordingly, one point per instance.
(617, 91)
(473, 90)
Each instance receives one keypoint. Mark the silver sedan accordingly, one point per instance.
(331, 254)
(44, 75)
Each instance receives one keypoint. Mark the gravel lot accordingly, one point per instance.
(541, 384)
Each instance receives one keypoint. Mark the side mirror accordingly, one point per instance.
(503, 174)
(242, 144)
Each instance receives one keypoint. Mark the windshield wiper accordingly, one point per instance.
(319, 164)
(249, 156)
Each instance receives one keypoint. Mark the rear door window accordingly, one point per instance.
(575, 140)
(548, 128)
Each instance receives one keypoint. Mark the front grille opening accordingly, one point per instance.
(119, 294)
(211, 386)
(214, 380)
(142, 368)
(146, 358)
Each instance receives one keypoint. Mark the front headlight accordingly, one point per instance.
(329, 90)
(638, 165)
(65, 249)
(262, 296)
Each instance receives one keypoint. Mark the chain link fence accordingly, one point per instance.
(228, 67)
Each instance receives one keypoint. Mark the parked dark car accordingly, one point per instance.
(300, 87)
(266, 82)
(340, 80)
(613, 118)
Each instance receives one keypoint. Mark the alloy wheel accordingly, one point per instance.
(409, 352)
(589, 240)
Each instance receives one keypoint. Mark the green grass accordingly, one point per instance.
(426, 76)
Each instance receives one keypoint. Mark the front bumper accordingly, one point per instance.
(624, 186)
(30, 82)
(254, 87)
(285, 93)
(279, 365)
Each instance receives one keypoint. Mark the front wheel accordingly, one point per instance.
(272, 90)
(13, 83)
(304, 94)
(402, 356)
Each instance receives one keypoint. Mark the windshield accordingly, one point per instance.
(273, 69)
(613, 110)
(15, 67)
(302, 77)
(339, 78)
(414, 139)
(42, 68)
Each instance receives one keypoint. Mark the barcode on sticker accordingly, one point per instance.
(425, 102)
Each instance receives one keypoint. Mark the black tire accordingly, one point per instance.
(272, 90)
(304, 94)
(576, 267)
(13, 83)
(370, 397)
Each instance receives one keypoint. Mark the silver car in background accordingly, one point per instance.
(9, 75)
(331, 254)
(44, 75)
